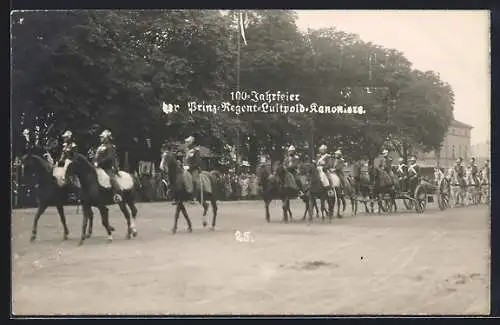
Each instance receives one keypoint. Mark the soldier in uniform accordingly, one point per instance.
(413, 173)
(68, 146)
(402, 173)
(322, 162)
(192, 161)
(106, 158)
(459, 171)
(338, 167)
(291, 163)
(474, 171)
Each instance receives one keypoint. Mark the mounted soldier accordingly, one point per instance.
(474, 172)
(338, 167)
(322, 162)
(291, 164)
(191, 164)
(459, 172)
(68, 146)
(413, 173)
(106, 158)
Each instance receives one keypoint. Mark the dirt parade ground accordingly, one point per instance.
(404, 263)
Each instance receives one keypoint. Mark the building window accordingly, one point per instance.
(453, 151)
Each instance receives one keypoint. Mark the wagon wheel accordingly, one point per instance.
(420, 198)
(443, 194)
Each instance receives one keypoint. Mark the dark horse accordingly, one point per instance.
(175, 175)
(274, 186)
(51, 191)
(95, 194)
(383, 189)
(314, 189)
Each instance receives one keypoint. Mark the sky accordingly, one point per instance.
(456, 44)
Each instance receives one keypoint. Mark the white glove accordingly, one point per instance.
(186, 167)
(95, 164)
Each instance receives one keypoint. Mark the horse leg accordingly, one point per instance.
(86, 209)
(133, 209)
(285, 206)
(268, 215)
(186, 217)
(312, 202)
(105, 219)
(306, 202)
(126, 214)
(90, 227)
(205, 209)
(213, 201)
(41, 209)
(176, 217)
(322, 208)
(60, 210)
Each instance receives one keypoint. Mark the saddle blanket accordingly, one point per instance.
(191, 183)
(290, 181)
(123, 179)
(323, 177)
(59, 173)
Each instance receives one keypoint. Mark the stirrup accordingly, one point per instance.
(117, 198)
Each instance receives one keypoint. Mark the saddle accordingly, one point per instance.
(123, 179)
(192, 182)
(290, 181)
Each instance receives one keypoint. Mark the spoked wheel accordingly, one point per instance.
(443, 194)
(420, 199)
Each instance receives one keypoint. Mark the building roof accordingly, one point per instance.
(461, 124)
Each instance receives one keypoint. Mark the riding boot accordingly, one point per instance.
(117, 198)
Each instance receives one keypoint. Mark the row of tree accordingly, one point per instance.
(90, 70)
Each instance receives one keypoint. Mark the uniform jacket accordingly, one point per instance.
(291, 161)
(414, 171)
(402, 170)
(473, 170)
(106, 156)
(338, 165)
(192, 159)
(459, 170)
(323, 160)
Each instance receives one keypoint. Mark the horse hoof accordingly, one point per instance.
(174, 231)
(88, 236)
(268, 220)
(212, 228)
(134, 233)
(33, 238)
(66, 237)
(204, 224)
(111, 228)
(110, 240)
(80, 243)
(128, 236)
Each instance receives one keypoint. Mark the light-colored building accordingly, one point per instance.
(456, 144)
(482, 151)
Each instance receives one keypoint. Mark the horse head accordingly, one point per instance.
(169, 164)
(77, 164)
(309, 175)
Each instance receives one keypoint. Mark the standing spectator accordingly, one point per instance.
(244, 181)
